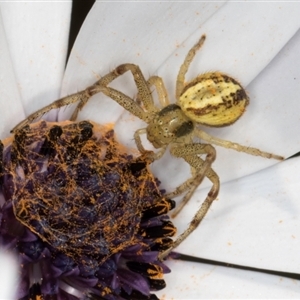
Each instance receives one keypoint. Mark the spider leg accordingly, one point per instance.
(129, 104)
(203, 168)
(161, 90)
(155, 155)
(196, 181)
(138, 141)
(144, 93)
(189, 153)
(185, 66)
(235, 146)
(78, 97)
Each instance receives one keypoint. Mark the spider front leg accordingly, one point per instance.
(190, 152)
(202, 169)
(82, 96)
(137, 138)
(180, 82)
(144, 93)
(161, 90)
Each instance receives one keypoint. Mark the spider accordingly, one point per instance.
(211, 99)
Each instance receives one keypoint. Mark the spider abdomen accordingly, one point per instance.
(213, 99)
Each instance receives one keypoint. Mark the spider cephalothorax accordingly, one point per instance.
(169, 125)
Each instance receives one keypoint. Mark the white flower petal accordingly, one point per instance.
(10, 104)
(37, 35)
(244, 47)
(241, 44)
(271, 122)
(255, 46)
(32, 64)
(255, 222)
(8, 275)
(200, 281)
(114, 33)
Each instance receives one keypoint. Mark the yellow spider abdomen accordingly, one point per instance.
(213, 99)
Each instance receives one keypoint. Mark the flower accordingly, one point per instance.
(256, 220)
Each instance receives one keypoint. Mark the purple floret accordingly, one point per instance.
(86, 218)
